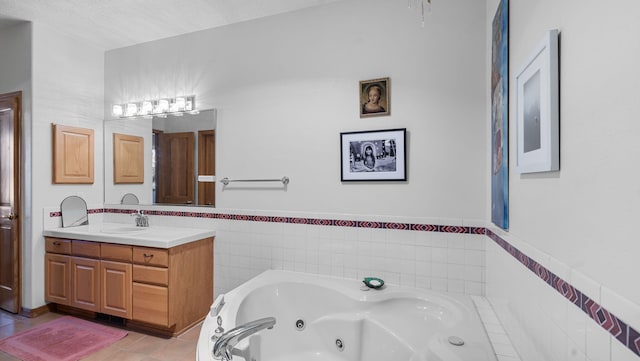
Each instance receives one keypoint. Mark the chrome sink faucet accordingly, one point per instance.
(225, 343)
(142, 220)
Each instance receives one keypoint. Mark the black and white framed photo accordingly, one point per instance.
(537, 109)
(375, 97)
(373, 155)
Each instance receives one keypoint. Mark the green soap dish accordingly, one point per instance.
(373, 282)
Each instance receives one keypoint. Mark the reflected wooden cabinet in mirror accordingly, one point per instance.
(128, 159)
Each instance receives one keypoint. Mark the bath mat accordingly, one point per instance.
(64, 339)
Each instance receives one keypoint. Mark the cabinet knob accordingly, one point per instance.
(56, 243)
(147, 255)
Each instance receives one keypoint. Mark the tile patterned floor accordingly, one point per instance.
(135, 346)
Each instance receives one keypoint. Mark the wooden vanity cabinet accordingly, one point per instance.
(162, 290)
(75, 276)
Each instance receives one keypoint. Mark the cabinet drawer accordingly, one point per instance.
(57, 245)
(153, 275)
(115, 252)
(151, 256)
(85, 249)
(151, 304)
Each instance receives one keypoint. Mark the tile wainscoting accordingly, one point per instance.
(565, 320)
(434, 254)
(554, 313)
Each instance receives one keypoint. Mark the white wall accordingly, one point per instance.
(68, 88)
(287, 85)
(586, 214)
(581, 222)
(15, 58)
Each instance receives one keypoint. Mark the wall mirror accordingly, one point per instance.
(74, 212)
(130, 198)
(179, 159)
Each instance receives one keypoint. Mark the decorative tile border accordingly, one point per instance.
(298, 220)
(89, 211)
(612, 324)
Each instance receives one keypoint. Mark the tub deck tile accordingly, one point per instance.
(500, 341)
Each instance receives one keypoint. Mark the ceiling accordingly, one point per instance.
(110, 24)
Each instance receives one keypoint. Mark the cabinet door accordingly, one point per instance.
(72, 155)
(57, 280)
(116, 289)
(85, 283)
(151, 304)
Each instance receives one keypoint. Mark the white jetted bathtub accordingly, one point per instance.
(331, 319)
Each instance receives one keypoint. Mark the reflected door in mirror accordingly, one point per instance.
(175, 181)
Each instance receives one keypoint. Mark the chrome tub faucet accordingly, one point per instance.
(225, 343)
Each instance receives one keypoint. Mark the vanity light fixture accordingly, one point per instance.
(160, 107)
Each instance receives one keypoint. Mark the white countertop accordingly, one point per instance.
(153, 236)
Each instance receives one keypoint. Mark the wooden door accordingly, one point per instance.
(85, 283)
(10, 200)
(175, 168)
(116, 288)
(206, 166)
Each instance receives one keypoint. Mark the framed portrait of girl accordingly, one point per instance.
(375, 97)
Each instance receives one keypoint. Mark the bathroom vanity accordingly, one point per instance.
(159, 279)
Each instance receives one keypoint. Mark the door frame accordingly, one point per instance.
(16, 98)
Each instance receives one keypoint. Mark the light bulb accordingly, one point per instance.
(131, 110)
(116, 110)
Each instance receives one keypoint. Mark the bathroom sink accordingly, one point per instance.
(123, 230)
